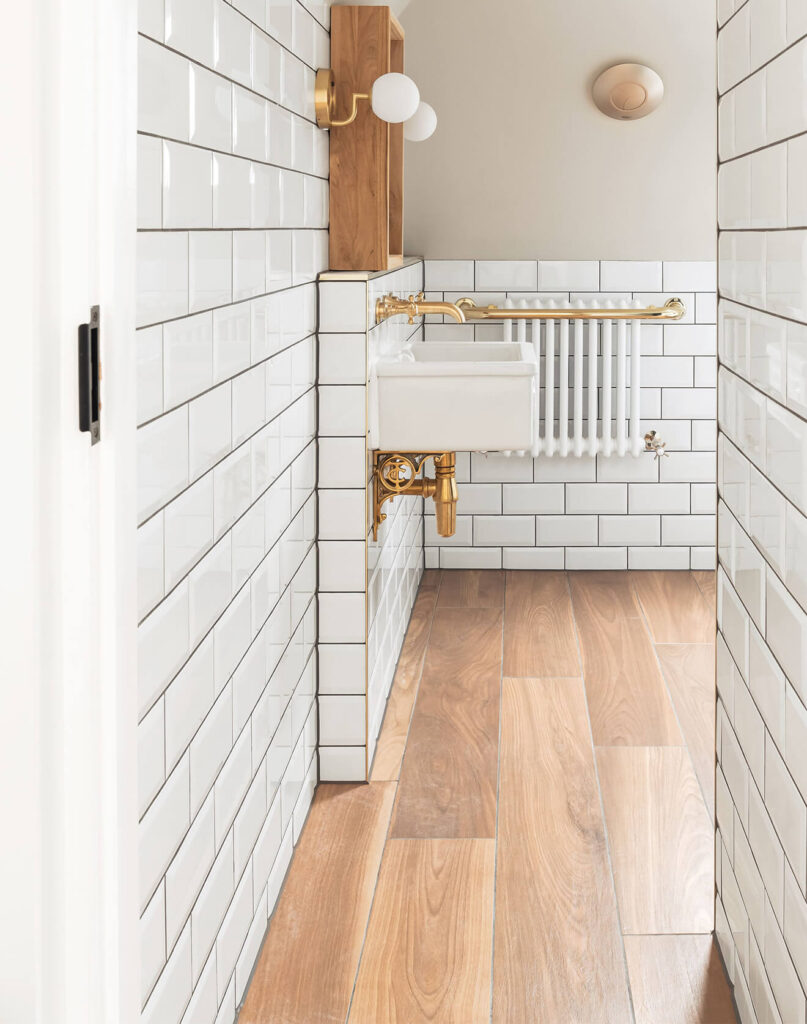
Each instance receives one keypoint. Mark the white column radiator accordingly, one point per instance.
(588, 385)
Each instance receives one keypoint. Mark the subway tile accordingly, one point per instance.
(596, 558)
(149, 182)
(152, 943)
(782, 974)
(173, 990)
(518, 531)
(342, 668)
(211, 906)
(689, 276)
(162, 828)
(188, 529)
(598, 498)
(210, 269)
(234, 41)
(659, 558)
(532, 498)
(341, 721)
(267, 65)
(210, 429)
(631, 275)
(497, 468)
(163, 99)
(190, 28)
(341, 566)
(558, 531)
(568, 275)
(785, 78)
(448, 275)
(342, 764)
(187, 701)
(211, 110)
(249, 264)
(248, 403)
(149, 344)
(341, 618)
(232, 182)
(508, 275)
(342, 514)
(250, 114)
(187, 358)
(188, 870)
(621, 530)
(343, 307)
(532, 558)
(342, 410)
(471, 558)
(231, 785)
(786, 633)
(211, 746)
(162, 276)
(162, 461)
(150, 756)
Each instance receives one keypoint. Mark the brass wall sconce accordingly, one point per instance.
(396, 474)
(394, 98)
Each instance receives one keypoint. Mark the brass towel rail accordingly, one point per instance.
(673, 309)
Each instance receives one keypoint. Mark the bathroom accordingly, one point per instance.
(406, 616)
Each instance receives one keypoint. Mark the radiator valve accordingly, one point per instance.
(653, 443)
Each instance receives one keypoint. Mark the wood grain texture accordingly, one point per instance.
(678, 979)
(558, 952)
(661, 839)
(707, 581)
(472, 588)
(359, 154)
(676, 610)
(428, 949)
(539, 634)
(690, 673)
(628, 700)
(395, 728)
(448, 778)
(307, 966)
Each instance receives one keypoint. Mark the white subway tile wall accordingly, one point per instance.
(232, 219)
(761, 910)
(366, 587)
(571, 508)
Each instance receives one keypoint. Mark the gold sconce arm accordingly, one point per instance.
(396, 474)
(325, 101)
(414, 306)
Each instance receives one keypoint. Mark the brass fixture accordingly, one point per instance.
(393, 97)
(325, 101)
(396, 473)
(673, 309)
(414, 306)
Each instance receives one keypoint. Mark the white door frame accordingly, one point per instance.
(68, 770)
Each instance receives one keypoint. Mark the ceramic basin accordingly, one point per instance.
(454, 396)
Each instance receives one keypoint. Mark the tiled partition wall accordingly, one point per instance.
(233, 212)
(762, 529)
(594, 513)
(367, 587)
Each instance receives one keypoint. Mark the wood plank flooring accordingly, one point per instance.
(535, 844)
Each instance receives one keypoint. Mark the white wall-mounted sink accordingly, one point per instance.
(454, 396)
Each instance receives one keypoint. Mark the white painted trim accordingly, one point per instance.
(68, 862)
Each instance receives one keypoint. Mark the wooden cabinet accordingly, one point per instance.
(366, 189)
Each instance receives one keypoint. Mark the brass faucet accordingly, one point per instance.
(414, 306)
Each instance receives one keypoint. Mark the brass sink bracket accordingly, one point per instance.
(397, 473)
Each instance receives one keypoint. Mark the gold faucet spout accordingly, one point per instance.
(415, 306)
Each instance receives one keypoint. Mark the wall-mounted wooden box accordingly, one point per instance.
(366, 189)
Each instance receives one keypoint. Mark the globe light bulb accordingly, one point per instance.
(394, 97)
(421, 124)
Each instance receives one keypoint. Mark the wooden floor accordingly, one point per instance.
(535, 844)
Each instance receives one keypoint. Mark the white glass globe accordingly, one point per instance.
(421, 124)
(395, 97)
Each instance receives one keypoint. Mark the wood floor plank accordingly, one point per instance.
(395, 728)
(690, 673)
(676, 610)
(472, 588)
(428, 950)
(558, 952)
(707, 581)
(678, 979)
(627, 698)
(448, 778)
(661, 839)
(307, 966)
(539, 634)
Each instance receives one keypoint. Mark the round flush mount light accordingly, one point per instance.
(394, 97)
(628, 91)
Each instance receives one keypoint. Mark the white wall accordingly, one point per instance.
(232, 215)
(523, 165)
(761, 911)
